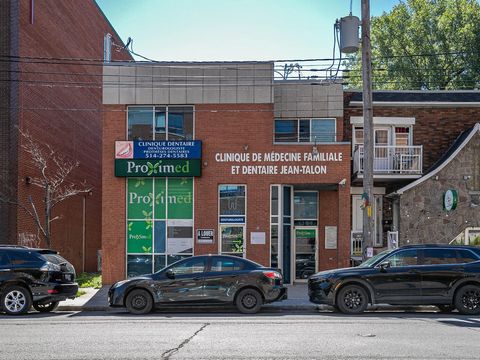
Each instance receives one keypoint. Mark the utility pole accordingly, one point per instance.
(368, 229)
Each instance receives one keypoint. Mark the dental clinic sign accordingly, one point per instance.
(158, 158)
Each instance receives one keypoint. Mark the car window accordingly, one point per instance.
(404, 258)
(447, 256)
(19, 257)
(4, 260)
(225, 264)
(465, 256)
(190, 266)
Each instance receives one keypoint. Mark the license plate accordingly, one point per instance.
(68, 277)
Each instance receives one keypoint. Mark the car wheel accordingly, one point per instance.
(139, 302)
(16, 300)
(248, 301)
(467, 300)
(352, 299)
(45, 308)
(445, 308)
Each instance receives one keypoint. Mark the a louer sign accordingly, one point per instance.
(157, 168)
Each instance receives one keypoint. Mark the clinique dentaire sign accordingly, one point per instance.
(149, 158)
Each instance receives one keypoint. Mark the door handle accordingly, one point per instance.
(4, 270)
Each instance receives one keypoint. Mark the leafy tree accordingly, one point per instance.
(425, 45)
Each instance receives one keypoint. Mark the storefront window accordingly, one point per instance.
(305, 205)
(233, 239)
(286, 130)
(160, 123)
(232, 200)
(155, 240)
(274, 221)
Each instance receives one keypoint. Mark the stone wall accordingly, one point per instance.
(422, 217)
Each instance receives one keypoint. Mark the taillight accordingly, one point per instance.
(272, 274)
(52, 291)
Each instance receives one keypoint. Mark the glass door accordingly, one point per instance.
(305, 252)
(381, 149)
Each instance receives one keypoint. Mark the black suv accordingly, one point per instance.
(37, 277)
(443, 275)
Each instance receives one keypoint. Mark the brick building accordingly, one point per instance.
(49, 92)
(414, 132)
(272, 183)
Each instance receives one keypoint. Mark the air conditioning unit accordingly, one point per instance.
(392, 239)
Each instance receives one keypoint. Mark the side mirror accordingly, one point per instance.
(384, 265)
(170, 274)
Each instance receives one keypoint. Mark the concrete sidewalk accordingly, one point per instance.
(97, 300)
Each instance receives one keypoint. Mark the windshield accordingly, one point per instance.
(374, 259)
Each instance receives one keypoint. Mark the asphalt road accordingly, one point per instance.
(215, 335)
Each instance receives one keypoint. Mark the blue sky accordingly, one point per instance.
(222, 30)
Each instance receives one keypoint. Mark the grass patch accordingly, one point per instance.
(85, 280)
(80, 293)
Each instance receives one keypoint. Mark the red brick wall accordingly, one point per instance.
(229, 128)
(60, 103)
(113, 231)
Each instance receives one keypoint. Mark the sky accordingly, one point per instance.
(229, 30)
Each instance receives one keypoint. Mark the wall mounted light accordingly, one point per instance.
(28, 180)
(245, 147)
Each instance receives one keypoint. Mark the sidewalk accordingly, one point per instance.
(97, 300)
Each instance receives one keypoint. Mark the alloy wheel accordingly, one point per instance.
(471, 299)
(15, 301)
(353, 299)
(139, 302)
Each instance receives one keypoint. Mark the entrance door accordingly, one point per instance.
(305, 252)
(381, 158)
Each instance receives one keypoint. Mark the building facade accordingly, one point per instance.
(415, 132)
(50, 87)
(205, 158)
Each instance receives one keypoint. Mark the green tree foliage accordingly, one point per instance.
(425, 45)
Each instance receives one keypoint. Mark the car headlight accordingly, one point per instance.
(119, 283)
(48, 266)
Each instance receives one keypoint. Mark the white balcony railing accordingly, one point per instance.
(390, 159)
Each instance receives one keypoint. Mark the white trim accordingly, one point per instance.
(359, 190)
(475, 130)
(381, 120)
(420, 104)
(390, 176)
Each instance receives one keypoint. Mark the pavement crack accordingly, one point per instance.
(167, 354)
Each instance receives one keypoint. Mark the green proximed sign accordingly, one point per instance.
(158, 168)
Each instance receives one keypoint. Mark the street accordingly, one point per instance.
(270, 334)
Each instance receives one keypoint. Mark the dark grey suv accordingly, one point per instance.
(442, 275)
(37, 277)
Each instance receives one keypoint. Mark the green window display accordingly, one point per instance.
(151, 204)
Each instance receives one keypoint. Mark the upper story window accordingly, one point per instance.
(160, 123)
(305, 130)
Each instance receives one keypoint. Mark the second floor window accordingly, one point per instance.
(305, 130)
(160, 123)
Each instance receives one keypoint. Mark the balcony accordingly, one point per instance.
(391, 162)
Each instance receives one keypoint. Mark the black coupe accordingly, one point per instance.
(201, 280)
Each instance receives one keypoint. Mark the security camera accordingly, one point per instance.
(343, 182)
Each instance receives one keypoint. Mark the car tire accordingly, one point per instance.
(444, 308)
(467, 300)
(45, 308)
(248, 301)
(352, 299)
(15, 300)
(139, 302)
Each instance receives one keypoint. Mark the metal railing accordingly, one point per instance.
(391, 159)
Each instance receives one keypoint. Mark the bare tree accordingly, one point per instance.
(53, 172)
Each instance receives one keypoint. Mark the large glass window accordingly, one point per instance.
(191, 266)
(305, 130)
(155, 239)
(233, 239)
(447, 256)
(274, 221)
(232, 200)
(220, 264)
(160, 123)
(140, 123)
(305, 205)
